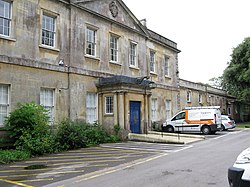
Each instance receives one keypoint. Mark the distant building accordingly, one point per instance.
(91, 60)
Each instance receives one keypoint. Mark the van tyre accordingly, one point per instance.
(169, 129)
(206, 130)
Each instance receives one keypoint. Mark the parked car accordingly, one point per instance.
(227, 122)
(239, 173)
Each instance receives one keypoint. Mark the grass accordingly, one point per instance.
(244, 125)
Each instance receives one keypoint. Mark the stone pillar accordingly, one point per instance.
(116, 115)
(149, 110)
(100, 108)
(146, 113)
(121, 111)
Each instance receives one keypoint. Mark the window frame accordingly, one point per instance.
(51, 113)
(168, 105)
(93, 43)
(154, 109)
(90, 108)
(188, 96)
(114, 49)
(200, 98)
(166, 66)
(133, 54)
(109, 105)
(7, 104)
(54, 31)
(152, 61)
(9, 19)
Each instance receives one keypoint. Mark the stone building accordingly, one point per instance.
(198, 94)
(90, 60)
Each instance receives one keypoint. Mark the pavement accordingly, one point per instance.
(163, 137)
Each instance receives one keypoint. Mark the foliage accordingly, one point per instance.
(29, 126)
(243, 125)
(236, 77)
(77, 134)
(216, 82)
(7, 156)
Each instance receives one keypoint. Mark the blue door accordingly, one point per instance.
(135, 117)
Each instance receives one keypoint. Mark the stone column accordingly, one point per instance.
(100, 108)
(121, 111)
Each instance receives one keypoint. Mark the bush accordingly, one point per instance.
(29, 126)
(78, 134)
(7, 156)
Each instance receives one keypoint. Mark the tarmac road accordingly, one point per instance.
(204, 164)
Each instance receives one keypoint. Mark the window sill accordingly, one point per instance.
(7, 38)
(134, 67)
(167, 77)
(49, 48)
(115, 63)
(92, 57)
(153, 73)
(108, 115)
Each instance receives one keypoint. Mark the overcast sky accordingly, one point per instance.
(205, 31)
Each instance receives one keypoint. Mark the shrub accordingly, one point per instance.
(78, 134)
(29, 126)
(7, 156)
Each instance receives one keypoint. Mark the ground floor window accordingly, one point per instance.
(109, 104)
(154, 109)
(91, 106)
(4, 102)
(47, 100)
(168, 109)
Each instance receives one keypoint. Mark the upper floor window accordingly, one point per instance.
(200, 98)
(5, 17)
(4, 102)
(152, 61)
(114, 48)
(188, 96)
(166, 66)
(48, 30)
(109, 105)
(91, 42)
(133, 54)
(47, 100)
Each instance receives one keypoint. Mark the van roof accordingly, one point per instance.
(202, 107)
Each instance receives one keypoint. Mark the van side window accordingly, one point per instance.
(179, 116)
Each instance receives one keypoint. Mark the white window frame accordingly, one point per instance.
(152, 61)
(189, 96)
(91, 107)
(4, 103)
(49, 41)
(6, 18)
(154, 109)
(200, 98)
(109, 105)
(166, 65)
(114, 48)
(168, 109)
(133, 54)
(45, 94)
(91, 40)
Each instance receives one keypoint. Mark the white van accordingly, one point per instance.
(195, 119)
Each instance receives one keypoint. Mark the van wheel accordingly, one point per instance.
(206, 130)
(169, 129)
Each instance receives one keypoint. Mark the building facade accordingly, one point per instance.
(89, 60)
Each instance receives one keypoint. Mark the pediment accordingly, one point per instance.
(114, 10)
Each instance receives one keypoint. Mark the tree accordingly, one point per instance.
(236, 77)
(216, 82)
